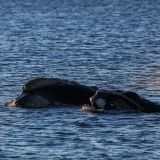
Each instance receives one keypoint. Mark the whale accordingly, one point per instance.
(44, 92)
(120, 100)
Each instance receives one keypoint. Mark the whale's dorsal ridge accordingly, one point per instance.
(37, 83)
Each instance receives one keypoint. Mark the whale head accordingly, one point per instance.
(30, 100)
(98, 101)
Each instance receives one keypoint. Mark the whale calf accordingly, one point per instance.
(120, 100)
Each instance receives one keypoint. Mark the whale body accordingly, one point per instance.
(121, 100)
(43, 92)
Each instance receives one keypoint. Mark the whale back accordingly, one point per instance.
(38, 83)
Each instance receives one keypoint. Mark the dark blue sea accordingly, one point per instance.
(113, 44)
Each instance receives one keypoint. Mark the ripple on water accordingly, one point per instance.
(112, 44)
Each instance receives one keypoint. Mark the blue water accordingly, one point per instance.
(113, 44)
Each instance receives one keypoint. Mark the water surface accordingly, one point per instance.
(113, 44)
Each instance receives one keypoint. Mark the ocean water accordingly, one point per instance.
(113, 44)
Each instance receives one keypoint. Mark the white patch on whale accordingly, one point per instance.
(100, 102)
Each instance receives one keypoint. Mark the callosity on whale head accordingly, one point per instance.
(97, 100)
